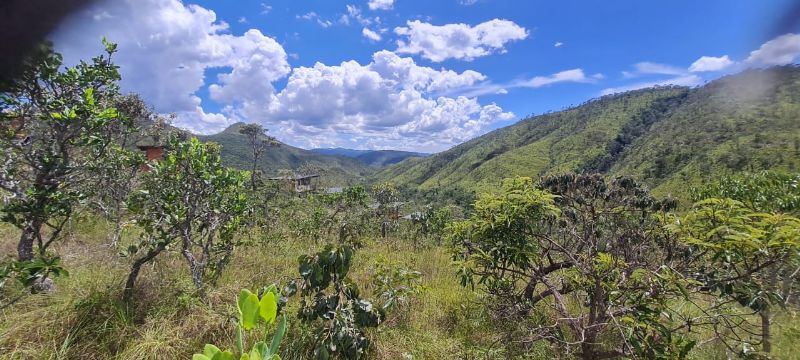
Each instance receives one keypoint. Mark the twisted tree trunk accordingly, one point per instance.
(29, 235)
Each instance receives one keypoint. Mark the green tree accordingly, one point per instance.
(54, 131)
(387, 196)
(583, 260)
(348, 213)
(188, 198)
(766, 191)
(259, 142)
(741, 255)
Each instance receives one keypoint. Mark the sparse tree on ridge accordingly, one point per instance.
(259, 142)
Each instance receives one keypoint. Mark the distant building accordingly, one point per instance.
(298, 183)
(334, 190)
(153, 151)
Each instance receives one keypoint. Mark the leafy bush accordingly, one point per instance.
(395, 285)
(584, 260)
(332, 302)
(54, 131)
(190, 198)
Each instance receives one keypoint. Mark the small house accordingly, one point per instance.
(298, 183)
(153, 151)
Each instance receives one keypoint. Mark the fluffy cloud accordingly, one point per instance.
(165, 48)
(168, 51)
(781, 50)
(380, 4)
(369, 34)
(457, 41)
(391, 100)
(710, 63)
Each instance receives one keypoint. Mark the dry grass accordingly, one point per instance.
(85, 319)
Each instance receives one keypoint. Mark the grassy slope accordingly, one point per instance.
(381, 158)
(374, 158)
(664, 136)
(236, 152)
(85, 319)
(750, 121)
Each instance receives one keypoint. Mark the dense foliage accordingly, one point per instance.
(332, 302)
(190, 199)
(57, 125)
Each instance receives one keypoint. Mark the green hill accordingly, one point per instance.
(335, 170)
(668, 137)
(374, 158)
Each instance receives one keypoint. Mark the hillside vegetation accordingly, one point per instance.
(374, 158)
(664, 136)
(108, 254)
(337, 170)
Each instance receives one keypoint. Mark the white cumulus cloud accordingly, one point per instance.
(711, 63)
(380, 4)
(457, 41)
(781, 50)
(172, 53)
(369, 34)
(391, 100)
(165, 48)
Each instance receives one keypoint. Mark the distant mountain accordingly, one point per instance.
(669, 137)
(374, 158)
(340, 151)
(335, 170)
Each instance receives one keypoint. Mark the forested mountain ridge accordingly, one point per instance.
(236, 152)
(374, 158)
(668, 137)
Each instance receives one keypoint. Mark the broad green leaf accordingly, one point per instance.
(211, 351)
(248, 309)
(268, 307)
(260, 348)
(276, 339)
(255, 354)
(200, 357)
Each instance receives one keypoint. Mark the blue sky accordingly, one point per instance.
(415, 75)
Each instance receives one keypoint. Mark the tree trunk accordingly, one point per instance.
(196, 269)
(117, 232)
(29, 234)
(766, 336)
(127, 293)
